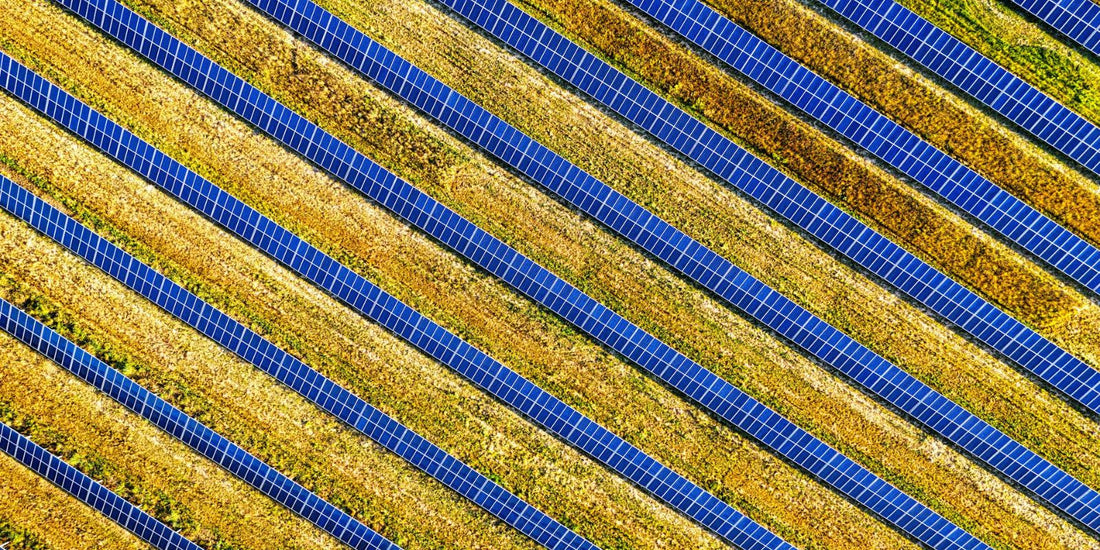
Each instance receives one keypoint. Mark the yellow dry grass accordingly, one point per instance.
(36, 515)
(998, 31)
(526, 338)
(137, 460)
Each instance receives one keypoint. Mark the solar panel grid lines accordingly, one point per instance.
(674, 368)
(879, 135)
(1077, 19)
(863, 366)
(281, 365)
(372, 302)
(90, 492)
(192, 433)
(989, 83)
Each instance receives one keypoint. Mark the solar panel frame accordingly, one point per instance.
(978, 76)
(874, 132)
(175, 422)
(369, 300)
(90, 492)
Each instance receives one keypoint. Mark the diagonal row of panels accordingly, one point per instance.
(1077, 19)
(375, 304)
(723, 158)
(720, 397)
(692, 379)
(989, 83)
(884, 138)
(173, 421)
(86, 489)
(874, 372)
(284, 367)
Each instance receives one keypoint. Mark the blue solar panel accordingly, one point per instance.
(575, 306)
(85, 489)
(281, 365)
(372, 302)
(716, 394)
(1077, 19)
(879, 135)
(976, 75)
(175, 422)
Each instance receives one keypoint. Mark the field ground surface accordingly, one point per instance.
(216, 510)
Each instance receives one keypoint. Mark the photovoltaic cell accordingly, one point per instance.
(976, 75)
(88, 491)
(879, 135)
(621, 335)
(274, 361)
(1077, 19)
(369, 300)
(176, 423)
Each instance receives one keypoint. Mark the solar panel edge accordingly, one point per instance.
(85, 489)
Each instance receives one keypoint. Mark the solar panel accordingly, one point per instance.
(371, 301)
(287, 369)
(1077, 19)
(651, 353)
(88, 491)
(716, 394)
(178, 424)
(879, 135)
(976, 75)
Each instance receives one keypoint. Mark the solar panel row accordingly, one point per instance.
(722, 157)
(702, 385)
(175, 422)
(1077, 19)
(284, 367)
(725, 159)
(85, 489)
(881, 136)
(375, 304)
(976, 75)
